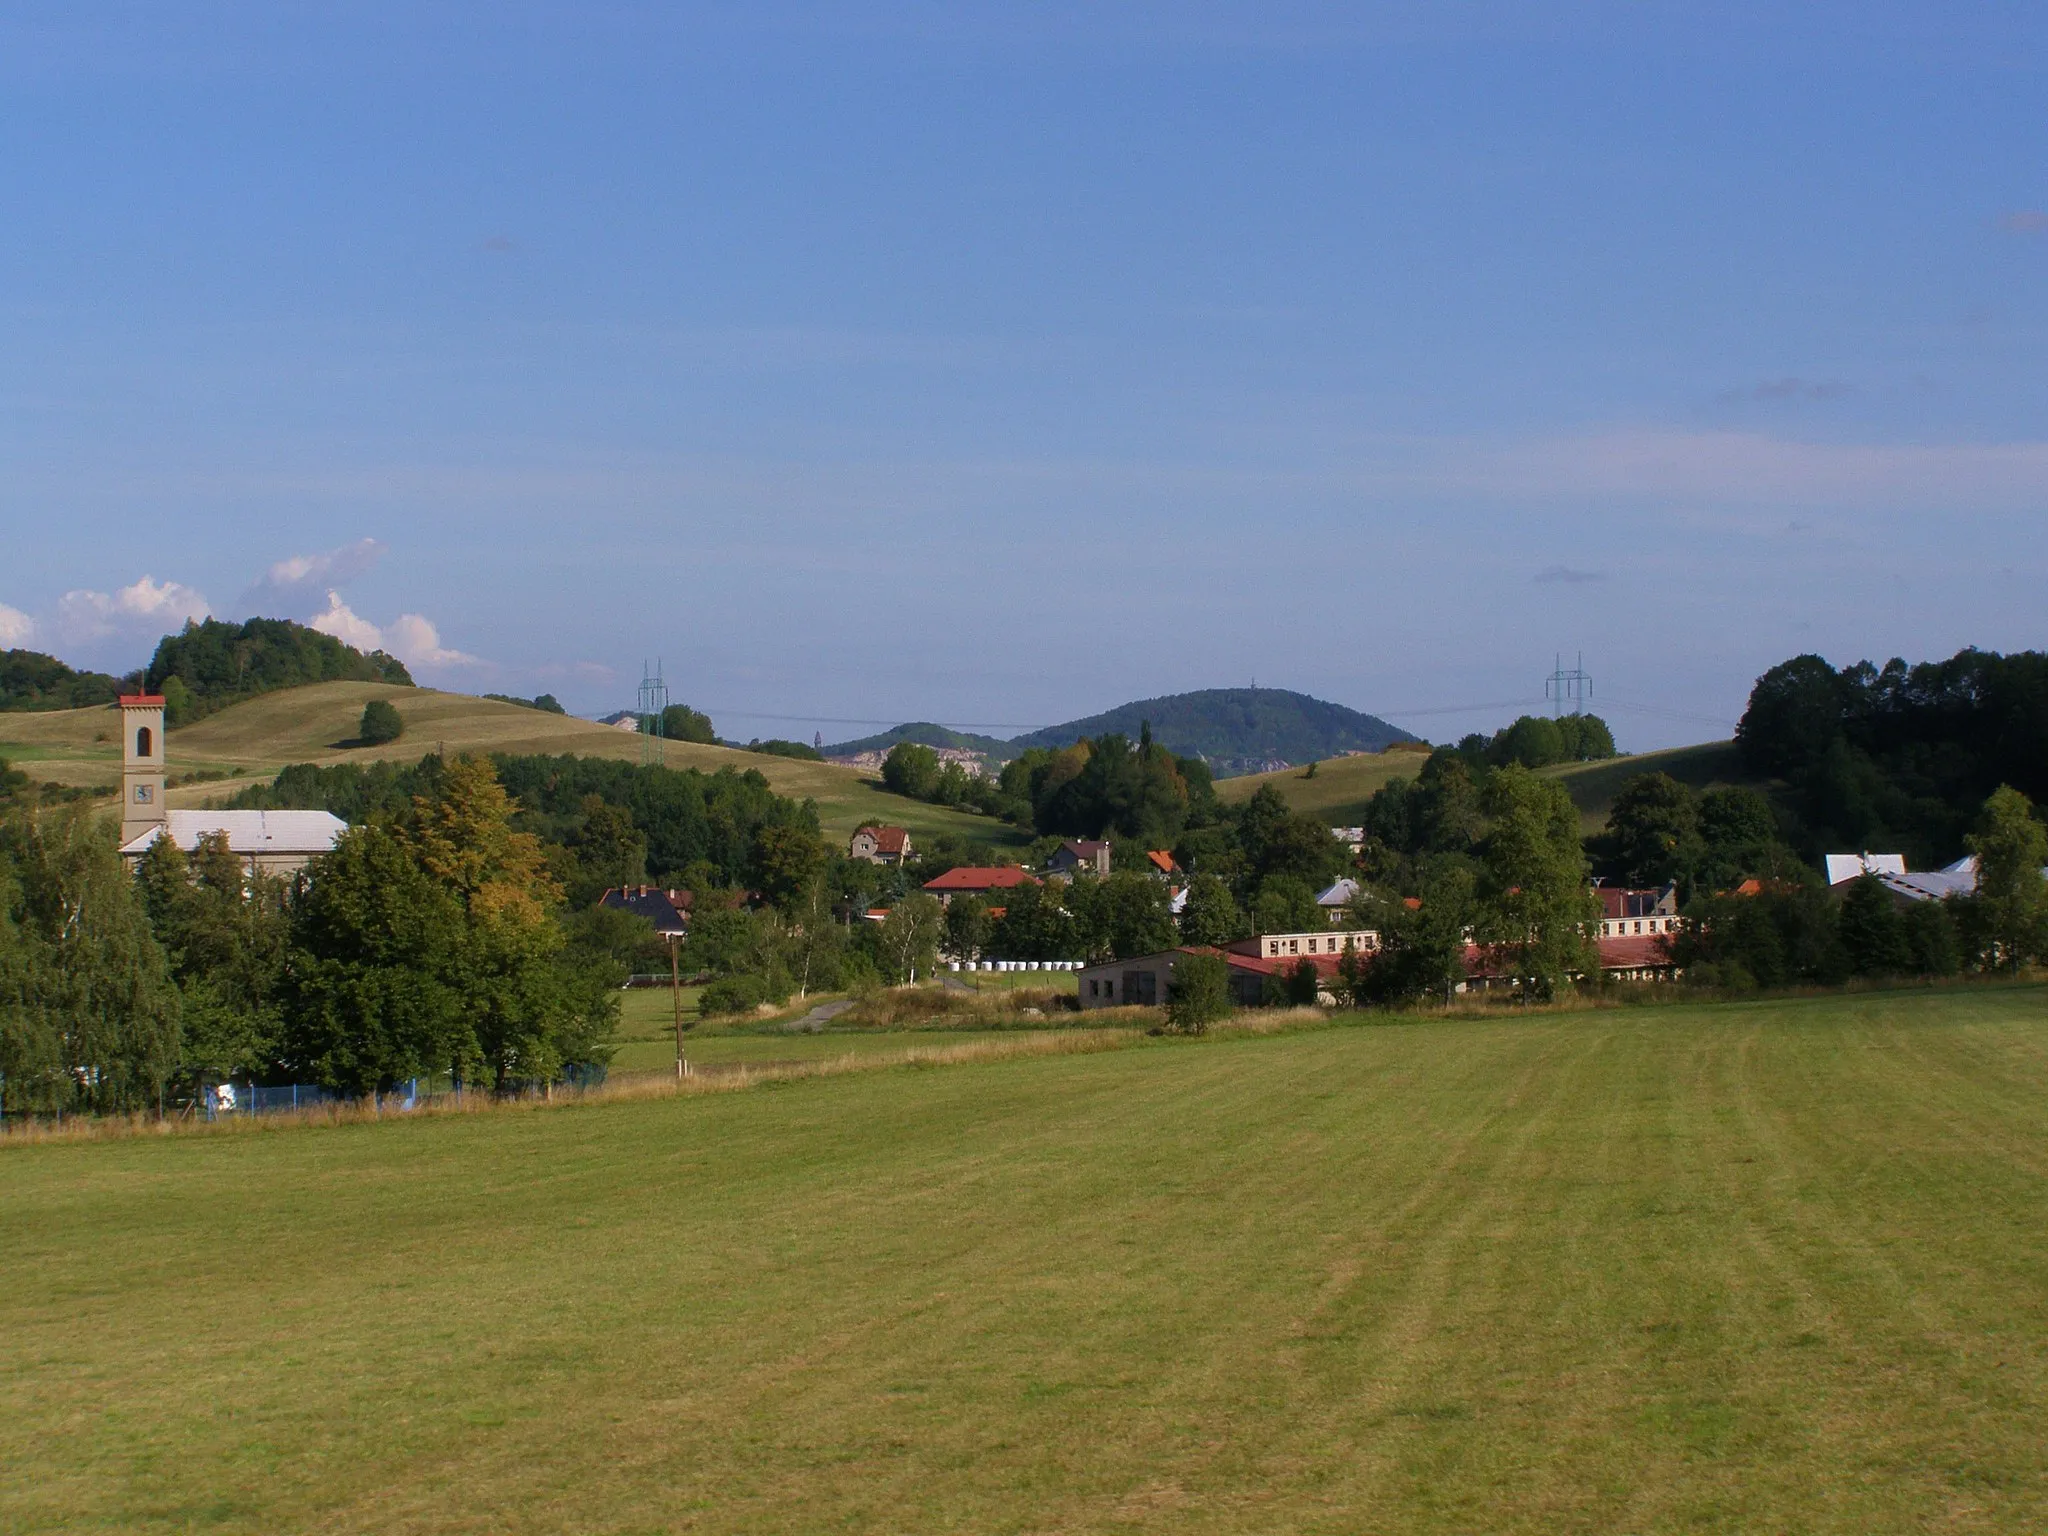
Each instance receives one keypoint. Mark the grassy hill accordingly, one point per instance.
(927, 734)
(316, 724)
(1342, 785)
(1233, 728)
(1768, 1267)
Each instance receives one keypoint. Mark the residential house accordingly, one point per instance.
(1336, 900)
(668, 910)
(1622, 958)
(1628, 913)
(1352, 838)
(880, 845)
(1161, 861)
(1144, 980)
(984, 882)
(1073, 857)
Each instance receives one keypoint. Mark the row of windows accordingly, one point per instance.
(1611, 929)
(1333, 945)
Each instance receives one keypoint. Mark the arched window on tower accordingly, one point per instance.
(142, 742)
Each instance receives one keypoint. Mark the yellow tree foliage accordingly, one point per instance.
(466, 840)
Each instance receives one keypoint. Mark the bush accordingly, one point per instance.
(1199, 995)
(381, 723)
(733, 994)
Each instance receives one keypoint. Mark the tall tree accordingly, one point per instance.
(377, 970)
(1655, 829)
(2012, 897)
(910, 936)
(1873, 931)
(968, 927)
(1536, 906)
(227, 938)
(91, 988)
(1211, 915)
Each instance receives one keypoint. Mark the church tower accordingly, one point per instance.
(142, 765)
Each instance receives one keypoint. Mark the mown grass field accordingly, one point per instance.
(1779, 1266)
(1342, 785)
(315, 724)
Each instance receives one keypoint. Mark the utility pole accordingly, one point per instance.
(675, 993)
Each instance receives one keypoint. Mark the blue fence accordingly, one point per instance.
(225, 1099)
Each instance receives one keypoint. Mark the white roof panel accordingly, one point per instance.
(249, 832)
(1850, 866)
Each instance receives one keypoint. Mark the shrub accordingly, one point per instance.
(1199, 995)
(381, 723)
(733, 994)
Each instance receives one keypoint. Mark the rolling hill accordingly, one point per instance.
(252, 740)
(1342, 786)
(925, 733)
(1234, 730)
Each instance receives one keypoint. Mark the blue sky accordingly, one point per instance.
(997, 364)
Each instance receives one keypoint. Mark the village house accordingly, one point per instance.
(880, 845)
(1634, 913)
(1336, 899)
(1073, 857)
(971, 880)
(1144, 981)
(668, 910)
(266, 842)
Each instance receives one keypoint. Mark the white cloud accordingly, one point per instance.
(410, 637)
(342, 622)
(415, 641)
(16, 627)
(146, 608)
(291, 584)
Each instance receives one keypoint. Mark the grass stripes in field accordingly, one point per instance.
(1764, 1267)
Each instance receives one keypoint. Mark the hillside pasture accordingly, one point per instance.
(1342, 786)
(1775, 1266)
(317, 724)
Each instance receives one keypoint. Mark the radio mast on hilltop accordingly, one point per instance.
(653, 702)
(1573, 687)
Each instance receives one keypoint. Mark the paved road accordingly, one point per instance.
(818, 1017)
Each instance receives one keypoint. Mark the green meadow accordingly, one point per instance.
(1778, 1266)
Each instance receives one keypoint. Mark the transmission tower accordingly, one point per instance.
(1573, 686)
(653, 700)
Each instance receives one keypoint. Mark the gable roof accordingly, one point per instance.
(981, 878)
(1849, 866)
(887, 839)
(668, 910)
(1162, 860)
(1081, 848)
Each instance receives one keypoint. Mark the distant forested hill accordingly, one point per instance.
(31, 680)
(926, 734)
(1234, 730)
(212, 665)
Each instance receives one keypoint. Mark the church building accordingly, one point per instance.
(274, 842)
